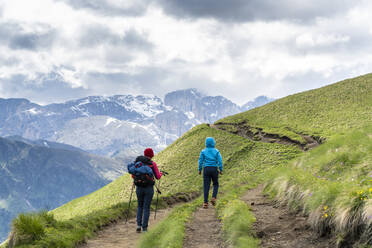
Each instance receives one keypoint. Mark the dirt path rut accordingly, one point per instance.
(276, 227)
(204, 231)
(257, 134)
(121, 234)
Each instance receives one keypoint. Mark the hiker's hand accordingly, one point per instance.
(199, 172)
(220, 172)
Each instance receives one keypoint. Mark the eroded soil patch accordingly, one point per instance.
(204, 231)
(257, 134)
(277, 227)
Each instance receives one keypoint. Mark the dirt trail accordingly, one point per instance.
(257, 134)
(276, 227)
(204, 231)
(121, 234)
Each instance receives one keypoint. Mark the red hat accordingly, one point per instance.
(149, 152)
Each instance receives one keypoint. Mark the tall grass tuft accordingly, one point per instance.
(332, 184)
(237, 220)
(27, 228)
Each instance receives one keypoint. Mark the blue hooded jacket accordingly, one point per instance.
(210, 156)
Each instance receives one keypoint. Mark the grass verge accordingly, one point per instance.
(69, 233)
(332, 184)
(237, 218)
(170, 233)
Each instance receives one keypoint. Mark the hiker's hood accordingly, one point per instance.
(209, 142)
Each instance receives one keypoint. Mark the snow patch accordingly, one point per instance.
(29, 204)
(85, 101)
(110, 120)
(4, 204)
(190, 115)
(168, 108)
(33, 111)
(148, 108)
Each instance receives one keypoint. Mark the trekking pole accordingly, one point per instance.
(130, 200)
(157, 198)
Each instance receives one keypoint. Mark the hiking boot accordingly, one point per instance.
(213, 201)
(144, 229)
(138, 230)
(205, 205)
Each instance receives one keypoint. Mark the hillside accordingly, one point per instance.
(39, 175)
(322, 112)
(329, 184)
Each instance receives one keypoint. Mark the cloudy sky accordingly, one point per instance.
(56, 50)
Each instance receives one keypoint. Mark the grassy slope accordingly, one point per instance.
(322, 112)
(334, 112)
(179, 160)
(242, 158)
(332, 183)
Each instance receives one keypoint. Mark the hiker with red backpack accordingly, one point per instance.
(144, 171)
(210, 161)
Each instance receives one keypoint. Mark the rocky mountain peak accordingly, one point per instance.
(257, 102)
(204, 108)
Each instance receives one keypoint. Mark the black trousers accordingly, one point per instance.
(210, 173)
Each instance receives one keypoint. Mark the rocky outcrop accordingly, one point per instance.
(203, 108)
(175, 122)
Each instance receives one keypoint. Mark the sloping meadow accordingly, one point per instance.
(243, 160)
(331, 183)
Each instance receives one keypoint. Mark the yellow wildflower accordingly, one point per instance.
(325, 207)
(326, 215)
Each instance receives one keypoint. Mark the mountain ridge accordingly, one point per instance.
(35, 176)
(32, 121)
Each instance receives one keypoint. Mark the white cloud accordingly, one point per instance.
(110, 50)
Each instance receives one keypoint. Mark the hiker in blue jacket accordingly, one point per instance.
(210, 161)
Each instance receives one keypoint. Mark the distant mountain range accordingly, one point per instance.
(117, 126)
(42, 174)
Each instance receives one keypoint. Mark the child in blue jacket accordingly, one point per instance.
(210, 161)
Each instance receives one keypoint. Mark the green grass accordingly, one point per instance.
(321, 112)
(331, 183)
(170, 233)
(236, 216)
(237, 220)
(31, 227)
(179, 160)
(242, 160)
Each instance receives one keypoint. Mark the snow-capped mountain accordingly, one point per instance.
(200, 107)
(257, 102)
(108, 136)
(117, 125)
